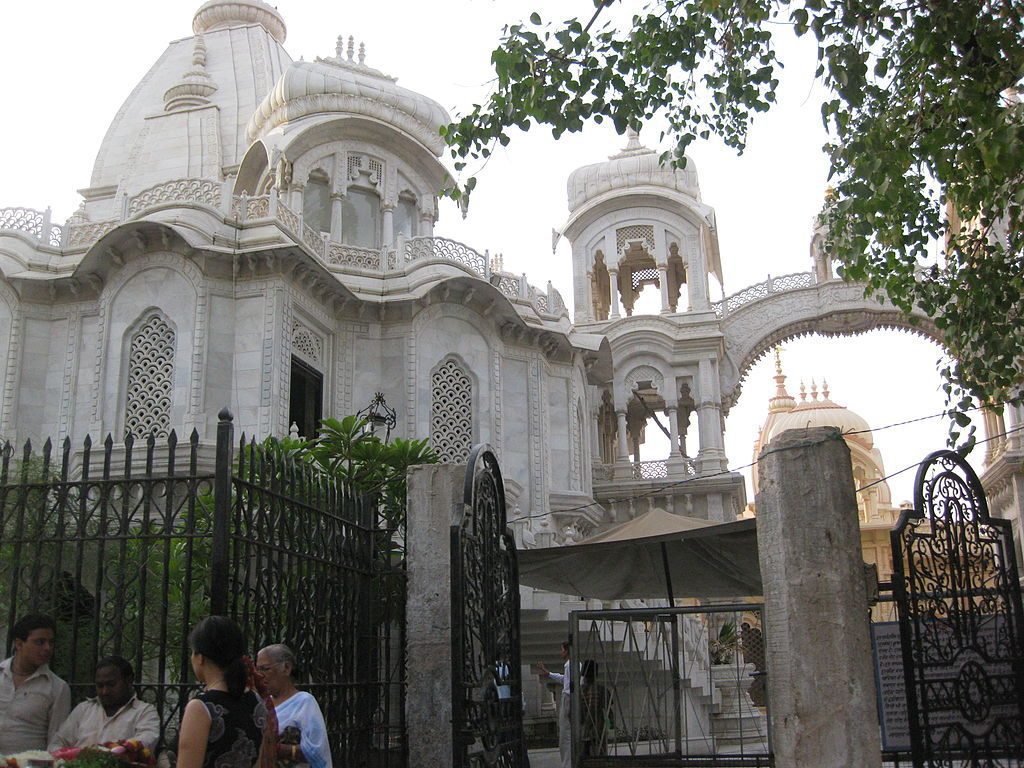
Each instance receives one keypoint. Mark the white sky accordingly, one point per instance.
(70, 65)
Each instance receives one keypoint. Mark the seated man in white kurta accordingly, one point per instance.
(116, 714)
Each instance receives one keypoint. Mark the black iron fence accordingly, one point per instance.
(128, 546)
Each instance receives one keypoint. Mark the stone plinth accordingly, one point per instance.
(434, 491)
(821, 689)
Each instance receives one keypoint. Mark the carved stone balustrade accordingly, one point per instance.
(35, 224)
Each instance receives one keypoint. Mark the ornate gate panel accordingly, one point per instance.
(487, 712)
(961, 622)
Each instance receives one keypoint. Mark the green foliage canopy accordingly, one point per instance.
(926, 134)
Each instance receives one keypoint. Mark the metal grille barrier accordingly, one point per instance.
(129, 545)
(668, 686)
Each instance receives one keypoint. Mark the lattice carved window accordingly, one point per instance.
(636, 232)
(307, 344)
(451, 413)
(150, 379)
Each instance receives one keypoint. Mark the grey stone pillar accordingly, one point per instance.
(434, 492)
(821, 686)
(336, 217)
(623, 436)
(613, 283)
(663, 284)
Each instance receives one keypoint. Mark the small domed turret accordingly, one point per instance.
(222, 14)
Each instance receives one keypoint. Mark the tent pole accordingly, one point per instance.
(668, 575)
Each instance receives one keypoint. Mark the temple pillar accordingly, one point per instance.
(623, 438)
(663, 282)
(673, 430)
(613, 306)
(335, 217)
(388, 222)
(711, 457)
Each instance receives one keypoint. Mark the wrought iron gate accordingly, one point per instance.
(487, 719)
(961, 622)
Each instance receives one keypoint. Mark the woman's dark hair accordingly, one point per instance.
(220, 640)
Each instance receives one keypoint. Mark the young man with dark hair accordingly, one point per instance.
(33, 700)
(115, 714)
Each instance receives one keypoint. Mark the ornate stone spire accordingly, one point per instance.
(633, 146)
(782, 401)
(195, 87)
(346, 58)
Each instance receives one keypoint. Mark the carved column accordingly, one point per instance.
(336, 198)
(711, 457)
(426, 224)
(673, 430)
(296, 201)
(1014, 420)
(388, 221)
(613, 306)
(994, 427)
(623, 438)
(697, 275)
(663, 282)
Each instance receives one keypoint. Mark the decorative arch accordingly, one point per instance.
(833, 308)
(451, 410)
(149, 386)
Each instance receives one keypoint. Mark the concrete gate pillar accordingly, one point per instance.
(435, 492)
(821, 687)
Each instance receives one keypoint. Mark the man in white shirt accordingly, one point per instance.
(564, 723)
(116, 714)
(33, 700)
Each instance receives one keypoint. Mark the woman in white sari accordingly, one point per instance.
(296, 710)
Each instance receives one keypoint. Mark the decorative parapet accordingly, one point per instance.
(81, 235)
(202, 191)
(33, 223)
(762, 290)
(448, 250)
(650, 470)
(354, 256)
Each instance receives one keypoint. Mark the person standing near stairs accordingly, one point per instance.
(564, 723)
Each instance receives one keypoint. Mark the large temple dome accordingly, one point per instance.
(345, 85)
(634, 167)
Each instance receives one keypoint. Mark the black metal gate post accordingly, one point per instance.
(220, 555)
(487, 715)
(961, 621)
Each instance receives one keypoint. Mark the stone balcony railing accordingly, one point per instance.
(661, 469)
(35, 224)
(762, 290)
(407, 255)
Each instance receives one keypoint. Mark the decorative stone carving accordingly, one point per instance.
(307, 344)
(150, 379)
(354, 256)
(25, 220)
(451, 412)
(645, 373)
(201, 191)
(448, 250)
(642, 232)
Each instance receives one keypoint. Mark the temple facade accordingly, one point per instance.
(258, 233)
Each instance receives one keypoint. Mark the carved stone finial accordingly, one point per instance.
(814, 390)
(339, 46)
(351, 47)
(824, 389)
(293, 431)
(362, 53)
(803, 392)
(778, 360)
(199, 53)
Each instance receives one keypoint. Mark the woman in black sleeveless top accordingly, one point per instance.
(224, 726)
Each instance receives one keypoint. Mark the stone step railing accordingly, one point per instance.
(35, 224)
(762, 290)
